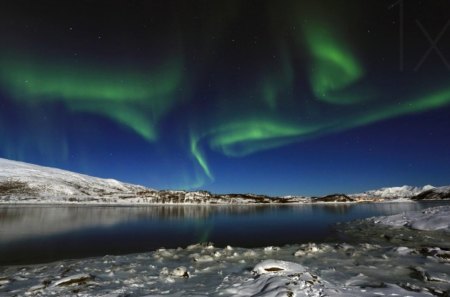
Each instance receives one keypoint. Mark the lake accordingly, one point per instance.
(36, 234)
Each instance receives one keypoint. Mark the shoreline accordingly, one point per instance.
(312, 269)
(111, 204)
(408, 262)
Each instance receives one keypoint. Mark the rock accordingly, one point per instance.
(300, 253)
(364, 281)
(180, 272)
(403, 250)
(36, 288)
(73, 279)
(439, 254)
(164, 271)
(4, 281)
(311, 248)
(278, 266)
(271, 249)
(163, 253)
(334, 198)
(192, 247)
(419, 273)
(203, 258)
(249, 254)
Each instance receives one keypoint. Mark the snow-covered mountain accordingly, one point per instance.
(433, 194)
(26, 183)
(22, 182)
(394, 192)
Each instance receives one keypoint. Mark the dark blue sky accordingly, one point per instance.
(286, 97)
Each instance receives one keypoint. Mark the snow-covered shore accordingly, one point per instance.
(205, 270)
(380, 268)
(430, 219)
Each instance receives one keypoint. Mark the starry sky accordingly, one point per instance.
(274, 97)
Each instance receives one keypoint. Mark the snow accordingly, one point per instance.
(31, 184)
(435, 218)
(278, 267)
(340, 270)
(56, 185)
(445, 189)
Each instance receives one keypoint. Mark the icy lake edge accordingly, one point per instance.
(357, 269)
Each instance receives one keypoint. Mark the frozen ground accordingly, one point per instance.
(200, 270)
(435, 218)
(398, 261)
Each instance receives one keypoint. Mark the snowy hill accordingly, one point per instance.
(22, 181)
(26, 183)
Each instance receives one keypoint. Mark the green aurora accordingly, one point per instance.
(133, 98)
(275, 108)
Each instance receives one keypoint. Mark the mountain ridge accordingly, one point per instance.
(21, 182)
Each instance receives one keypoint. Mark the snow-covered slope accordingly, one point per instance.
(394, 192)
(27, 183)
(434, 194)
(22, 181)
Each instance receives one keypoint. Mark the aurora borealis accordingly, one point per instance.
(276, 97)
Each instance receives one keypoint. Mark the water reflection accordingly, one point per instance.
(44, 233)
(17, 222)
(338, 208)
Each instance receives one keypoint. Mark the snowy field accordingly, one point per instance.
(416, 265)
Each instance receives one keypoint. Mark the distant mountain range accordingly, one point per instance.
(26, 183)
(427, 192)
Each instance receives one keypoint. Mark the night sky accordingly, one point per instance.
(275, 97)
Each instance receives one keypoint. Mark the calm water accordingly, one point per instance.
(31, 234)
